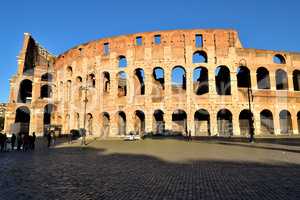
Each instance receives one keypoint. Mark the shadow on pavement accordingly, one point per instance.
(89, 173)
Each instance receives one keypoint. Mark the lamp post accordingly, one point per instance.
(250, 120)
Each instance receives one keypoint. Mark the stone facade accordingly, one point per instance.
(164, 82)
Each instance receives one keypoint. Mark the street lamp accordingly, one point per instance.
(250, 120)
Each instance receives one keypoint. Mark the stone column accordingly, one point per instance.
(276, 121)
(235, 124)
(290, 82)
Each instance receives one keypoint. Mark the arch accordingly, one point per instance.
(92, 80)
(296, 80)
(179, 119)
(69, 71)
(178, 79)
(69, 90)
(224, 118)
(25, 91)
(222, 77)
(243, 77)
(279, 59)
(122, 61)
(266, 122)
(77, 121)
(200, 80)
(122, 84)
(281, 80)
(139, 122)
(46, 91)
(47, 77)
(78, 79)
(285, 122)
(263, 78)
(105, 120)
(121, 123)
(139, 81)
(202, 122)
(23, 117)
(158, 83)
(106, 81)
(245, 122)
(89, 118)
(48, 114)
(158, 122)
(199, 57)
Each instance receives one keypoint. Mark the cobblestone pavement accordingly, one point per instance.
(152, 169)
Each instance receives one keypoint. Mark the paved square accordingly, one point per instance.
(153, 169)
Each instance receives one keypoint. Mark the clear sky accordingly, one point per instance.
(61, 24)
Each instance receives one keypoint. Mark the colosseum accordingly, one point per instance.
(164, 82)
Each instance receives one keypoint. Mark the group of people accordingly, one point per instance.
(23, 142)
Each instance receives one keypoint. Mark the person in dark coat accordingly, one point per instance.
(19, 141)
(26, 142)
(33, 138)
(13, 141)
(1, 142)
(49, 137)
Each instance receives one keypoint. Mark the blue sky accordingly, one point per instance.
(60, 25)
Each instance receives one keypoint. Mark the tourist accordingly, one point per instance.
(19, 141)
(70, 138)
(33, 138)
(49, 139)
(1, 142)
(5, 140)
(13, 141)
(25, 142)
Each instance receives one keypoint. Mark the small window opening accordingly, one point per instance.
(199, 41)
(106, 48)
(157, 39)
(139, 41)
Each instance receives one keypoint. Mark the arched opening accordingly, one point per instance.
(245, 122)
(224, 118)
(263, 78)
(222, 77)
(179, 126)
(159, 123)
(89, 118)
(279, 59)
(23, 118)
(266, 122)
(122, 84)
(139, 122)
(92, 80)
(200, 57)
(158, 84)
(281, 80)
(69, 71)
(105, 124)
(178, 80)
(298, 121)
(122, 61)
(25, 91)
(139, 82)
(78, 90)
(202, 122)
(200, 80)
(121, 123)
(106, 82)
(285, 122)
(243, 77)
(47, 77)
(296, 80)
(46, 91)
(69, 90)
(48, 110)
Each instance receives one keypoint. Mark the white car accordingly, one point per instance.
(132, 137)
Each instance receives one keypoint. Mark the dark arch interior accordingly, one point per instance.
(199, 57)
(158, 84)
(23, 117)
(25, 91)
(46, 91)
(224, 118)
(139, 122)
(105, 124)
(47, 77)
(106, 82)
(202, 122)
(200, 81)
(139, 82)
(92, 80)
(179, 118)
(245, 121)
(159, 124)
(48, 110)
(222, 77)
(121, 123)
(285, 122)
(266, 122)
(243, 77)
(281, 80)
(296, 80)
(263, 78)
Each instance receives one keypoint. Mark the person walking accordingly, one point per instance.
(70, 137)
(190, 135)
(5, 140)
(26, 142)
(83, 134)
(33, 138)
(19, 141)
(49, 137)
(1, 142)
(13, 141)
